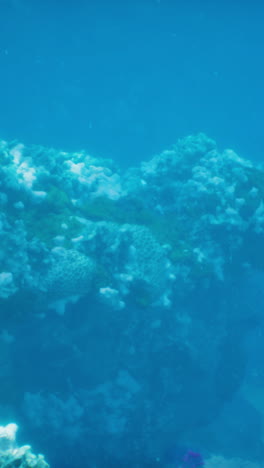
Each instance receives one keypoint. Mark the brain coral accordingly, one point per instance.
(71, 274)
(148, 262)
(135, 262)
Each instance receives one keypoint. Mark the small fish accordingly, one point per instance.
(192, 460)
(180, 457)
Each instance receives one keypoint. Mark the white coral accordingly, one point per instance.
(8, 436)
(7, 287)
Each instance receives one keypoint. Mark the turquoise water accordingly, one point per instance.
(131, 234)
(127, 79)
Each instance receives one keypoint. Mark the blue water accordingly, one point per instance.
(126, 79)
(123, 382)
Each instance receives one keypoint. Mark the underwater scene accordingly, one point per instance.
(131, 234)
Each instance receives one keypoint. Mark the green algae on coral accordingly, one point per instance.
(57, 201)
(51, 225)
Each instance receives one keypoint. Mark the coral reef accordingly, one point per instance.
(12, 456)
(191, 210)
(147, 269)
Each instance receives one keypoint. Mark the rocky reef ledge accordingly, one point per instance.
(72, 225)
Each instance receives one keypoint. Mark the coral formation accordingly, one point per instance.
(160, 255)
(69, 276)
(12, 456)
(189, 210)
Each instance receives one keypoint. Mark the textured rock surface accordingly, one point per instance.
(151, 269)
(191, 210)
